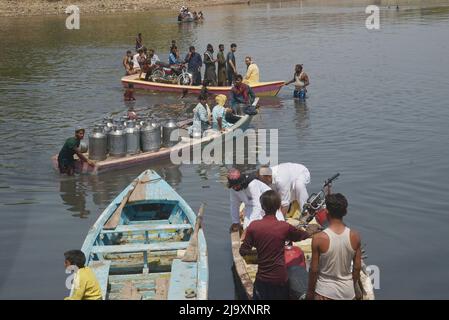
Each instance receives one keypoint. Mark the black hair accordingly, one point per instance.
(336, 205)
(202, 97)
(75, 257)
(233, 45)
(239, 76)
(270, 201)
(221, 45)
(191, 48)
(243, 181)
(128, 52)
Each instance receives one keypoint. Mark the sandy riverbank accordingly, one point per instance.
(57, 7)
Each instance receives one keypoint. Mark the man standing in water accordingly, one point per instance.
(66, 162)
(139, 41)
(221, 66)
(231, 68)
(336, 256)
(301, 80)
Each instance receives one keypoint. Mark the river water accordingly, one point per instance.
(377, 113)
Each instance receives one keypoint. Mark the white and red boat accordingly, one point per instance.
(261, 89)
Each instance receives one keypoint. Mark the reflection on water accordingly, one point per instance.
(73, 194)
(362, 119)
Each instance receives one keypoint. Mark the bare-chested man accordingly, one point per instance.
(301, 80)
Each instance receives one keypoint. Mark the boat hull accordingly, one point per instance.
(163, 154)
(261, 89)
(141, 230)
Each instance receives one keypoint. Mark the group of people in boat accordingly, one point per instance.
(219, 118)
(272, 195)
(219, 69)
(186, 15)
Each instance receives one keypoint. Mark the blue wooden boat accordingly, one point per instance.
(148, 244)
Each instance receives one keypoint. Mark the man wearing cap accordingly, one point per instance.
(246, 189)
(289, 180)
(66, 162)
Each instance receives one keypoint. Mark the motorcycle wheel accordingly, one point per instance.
(184, 80)
(157, 74)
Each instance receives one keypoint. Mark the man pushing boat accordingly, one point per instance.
(66, 161)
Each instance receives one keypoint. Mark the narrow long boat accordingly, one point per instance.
(245, 268)
(261, 89)
(186, 144)
(137, 247)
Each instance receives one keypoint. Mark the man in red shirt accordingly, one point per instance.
(268, 236)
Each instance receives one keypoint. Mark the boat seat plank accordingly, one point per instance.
(101, 270)
(146, 227)
(150, 222)
(141, 247)
(183, 277)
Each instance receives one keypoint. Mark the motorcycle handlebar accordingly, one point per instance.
(329, 181)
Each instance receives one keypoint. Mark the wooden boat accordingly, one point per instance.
(137, 247)
(114, 163)
(245, 268)
(261, 89)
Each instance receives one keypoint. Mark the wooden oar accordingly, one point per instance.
(115, 218)
(191, 254)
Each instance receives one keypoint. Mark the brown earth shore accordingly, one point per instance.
(58, 7)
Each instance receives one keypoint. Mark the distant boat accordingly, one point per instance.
(114, 163)
(137, 247)
(261, 89)
(245, 268)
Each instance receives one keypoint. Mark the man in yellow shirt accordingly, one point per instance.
(252, 72)
(85, 284)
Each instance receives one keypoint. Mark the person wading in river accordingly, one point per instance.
(331, 276)
(301, 80)
(66, 161)
(268, 236)
(128, 63)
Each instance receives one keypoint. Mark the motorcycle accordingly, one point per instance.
(176, 73)
(315, 206)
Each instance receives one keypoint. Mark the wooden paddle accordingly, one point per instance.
(191, 254)
(115, 218)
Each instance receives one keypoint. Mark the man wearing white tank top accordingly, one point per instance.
(333, 250)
